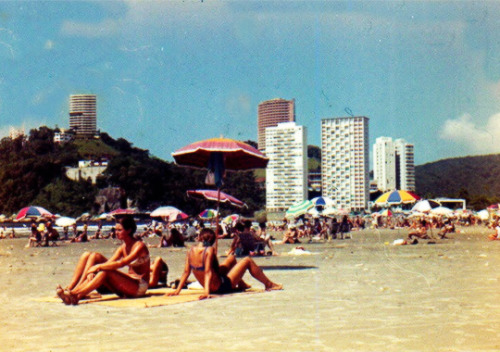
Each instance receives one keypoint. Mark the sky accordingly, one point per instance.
(169, 73)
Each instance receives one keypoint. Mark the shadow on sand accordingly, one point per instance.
(287, 267)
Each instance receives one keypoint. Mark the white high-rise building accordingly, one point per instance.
(345, 161)
(286, 173)
(384, 164)
(405, 165)
(393, 166)
(83, 114)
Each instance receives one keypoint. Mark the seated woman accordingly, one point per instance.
(420, 231)
(291, 236)
(94, 271)
(202, 261)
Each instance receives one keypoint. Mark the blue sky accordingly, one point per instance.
(168, 73)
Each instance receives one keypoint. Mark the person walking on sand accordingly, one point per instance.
(202, 261)
(94, 271)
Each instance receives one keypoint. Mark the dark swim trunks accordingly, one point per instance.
(225, 285)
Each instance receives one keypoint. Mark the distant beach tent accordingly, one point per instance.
(397, 197)
(33, 211)
(299, 209)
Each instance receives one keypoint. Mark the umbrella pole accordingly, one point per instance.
(217, 220)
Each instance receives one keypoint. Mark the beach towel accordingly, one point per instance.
(153, 298)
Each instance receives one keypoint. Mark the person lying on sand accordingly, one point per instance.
(215, 278)
(94, 271)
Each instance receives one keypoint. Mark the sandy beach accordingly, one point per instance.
(360, 294)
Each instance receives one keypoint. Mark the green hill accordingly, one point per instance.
(32, 171)
(474, 178)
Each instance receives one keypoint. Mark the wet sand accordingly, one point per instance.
(359, 294)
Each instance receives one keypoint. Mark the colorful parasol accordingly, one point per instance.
(397, 197)
(208, 214)
(236, 155)
(169, 212)
(323, 202)
(215, 195)
(33, 211)
(299, 209)
(230, 219)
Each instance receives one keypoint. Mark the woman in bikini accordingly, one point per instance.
(94, 271)
(215, 278)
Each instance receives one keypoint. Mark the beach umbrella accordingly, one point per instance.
(65, 221)
(208, 214)
(215, 195)
(298, 209)
(425, 205)
(397, 197)
(232, 154)
(323, 202)
(121, 211)
(386, 212)
(329, 211)
(342, 212)
(441, 211)
(314, 212)
(169, 212)
(483, 214)
(231, 219)
(33, 211)
(218, 155)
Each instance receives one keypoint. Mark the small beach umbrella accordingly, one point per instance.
(216, 196)
(65, 221)
(121, 211)
(231, 218)
(169, 212)
(208, 214)
(33, 211)
(425, 205)
(329, 211)
(386, 212)
(441, 211)
(323, 202)
(397, 197)
(298, 209)
(483, 214)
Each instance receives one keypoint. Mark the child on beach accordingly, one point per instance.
(94, 271)
(215, 278)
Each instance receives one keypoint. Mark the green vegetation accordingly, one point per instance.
(473, 178)
(32, 172)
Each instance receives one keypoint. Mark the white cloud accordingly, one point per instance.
(104, 28)
(478, 139)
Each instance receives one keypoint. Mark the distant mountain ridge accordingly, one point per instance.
(475, 178)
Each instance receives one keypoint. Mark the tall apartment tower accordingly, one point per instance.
(405, 165)
(83, 115)
(286, 173)
(270, 113)
(345, 161)
(394, 166)
(384, 164)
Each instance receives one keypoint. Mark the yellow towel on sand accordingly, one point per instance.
(153, 298)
